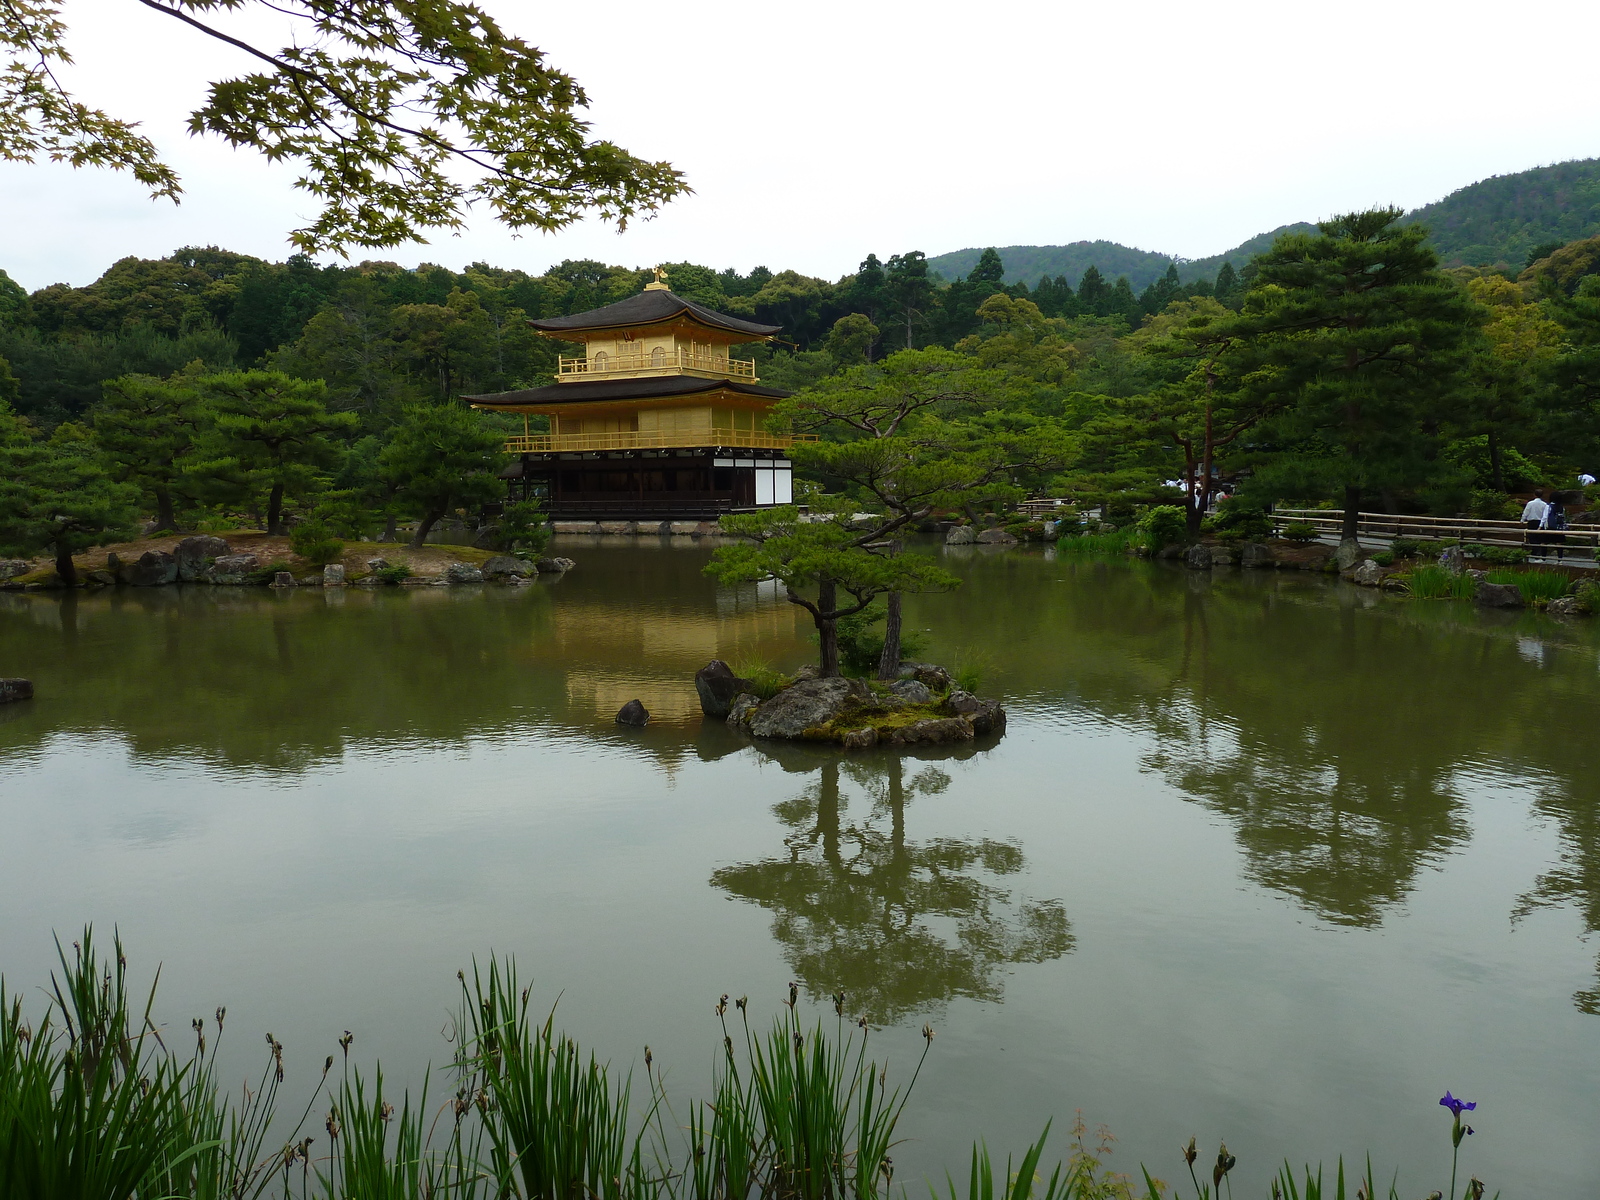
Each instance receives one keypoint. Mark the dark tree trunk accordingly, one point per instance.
(424, 528)
(66, 569)
(889, 661)
(165, 519)
(275, 511)
(1497, 475)
(828, 628)
(1352, 512)
(389, 531)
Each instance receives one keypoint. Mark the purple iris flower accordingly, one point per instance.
(1458, 1106)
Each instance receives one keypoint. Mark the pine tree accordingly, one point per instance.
(56, 496)
(1359, 326)
(989, 269)
(1094, 295)
(1227, 285)
(147, 428)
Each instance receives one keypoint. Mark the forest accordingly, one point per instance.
(1345, 365)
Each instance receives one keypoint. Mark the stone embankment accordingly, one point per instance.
(254, 559)
(1276, 554)
(639, 528)
(922, 706)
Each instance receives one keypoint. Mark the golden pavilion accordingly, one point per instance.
(655, 419)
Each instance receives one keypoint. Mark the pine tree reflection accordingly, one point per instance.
(1575, 879)
(900, 925)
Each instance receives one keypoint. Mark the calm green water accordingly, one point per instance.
(1262, 857)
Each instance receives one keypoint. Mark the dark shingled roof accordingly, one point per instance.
(646, 309)
(622, 389)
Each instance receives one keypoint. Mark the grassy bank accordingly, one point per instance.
(99, 1103)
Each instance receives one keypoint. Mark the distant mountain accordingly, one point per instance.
(1493, 222)
(1497, 221)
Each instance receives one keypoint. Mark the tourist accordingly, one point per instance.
(1533, 512)
(1555, 519)
(1585, 479)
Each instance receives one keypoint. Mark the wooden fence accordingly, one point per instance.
(1578, 541)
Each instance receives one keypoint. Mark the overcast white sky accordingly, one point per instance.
(815, 133)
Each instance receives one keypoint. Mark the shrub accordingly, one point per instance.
(264, 574)
(1436, 583)
(1242, 520)
(522, 529)
(1495, 506)
(1588, 596)
(395, 574)
(1417, 548)
(1164, 525)
(1509, 556)
(1299, 531)
(1026, 531)
(861, 642)
(1537, 587)
(314, 542)
(1384, 559)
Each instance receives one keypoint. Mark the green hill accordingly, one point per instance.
(1494, 222)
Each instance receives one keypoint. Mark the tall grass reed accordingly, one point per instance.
(97, 1104)
(1537, 587)
(1438, 583)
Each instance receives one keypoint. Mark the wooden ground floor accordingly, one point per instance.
(637, 484)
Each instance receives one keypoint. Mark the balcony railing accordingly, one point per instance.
(550, 443)
(605, 366)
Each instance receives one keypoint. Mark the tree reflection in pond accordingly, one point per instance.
(1575, 880)
(900, 925)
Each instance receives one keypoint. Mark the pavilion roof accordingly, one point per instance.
(650, 307)
(648, 388)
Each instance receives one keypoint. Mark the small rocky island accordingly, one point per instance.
(923, 706)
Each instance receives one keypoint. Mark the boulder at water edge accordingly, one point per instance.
(718, 687)
(333, 575)
(1348, 554)
(10, 568)
(808, 705)
(15, 689)
(1453, 560)
(912, 691)
(1499, 595)
(1564, 606)
(1368, 574)
(462, 573)
(997, 537)
(233, 569)
(633, 713)
(154, 568)
(193, 552)
(502, 566)
(554, 566)
(960, 535)
(1198, 558)
(986, 716)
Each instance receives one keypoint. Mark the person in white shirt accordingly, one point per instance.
(1585, 479)
(1533, 512)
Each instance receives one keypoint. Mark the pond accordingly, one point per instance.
(1262, 856)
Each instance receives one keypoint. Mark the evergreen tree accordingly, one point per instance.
(55, 496)
(1227, 287)
(270, 432)
(909, 289)
(442, 456)
(1359, 326)
(148, 429)
(1094, 294)
(989, 269)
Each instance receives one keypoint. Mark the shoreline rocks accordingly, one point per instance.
(922, 707)
(12, 690)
